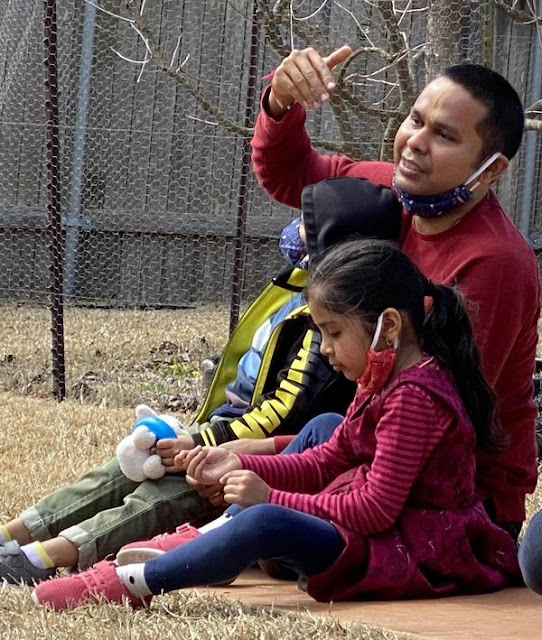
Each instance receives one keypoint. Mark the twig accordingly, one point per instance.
(533, 125)
(518, 15)
(109, 13)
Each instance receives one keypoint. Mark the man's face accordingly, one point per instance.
(437, 146)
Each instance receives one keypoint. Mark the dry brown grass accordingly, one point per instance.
(186, 615)
(115, 358)
(46, 444)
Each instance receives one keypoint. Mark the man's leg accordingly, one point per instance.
(96, 515)
(101, 488)
(530, 554)
(37, 527)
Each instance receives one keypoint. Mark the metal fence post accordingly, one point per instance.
(53, 199)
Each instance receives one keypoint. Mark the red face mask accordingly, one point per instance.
(379, 364)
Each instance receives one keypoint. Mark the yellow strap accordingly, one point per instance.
(263, 420)
(272, 298)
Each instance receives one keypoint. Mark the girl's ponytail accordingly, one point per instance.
(447, 335)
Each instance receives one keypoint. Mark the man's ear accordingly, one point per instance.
(494, 171)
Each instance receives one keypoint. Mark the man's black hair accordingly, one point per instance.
(502, 129)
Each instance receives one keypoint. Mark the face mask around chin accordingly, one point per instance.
(290, 244)
(379, 364)
(433, 206)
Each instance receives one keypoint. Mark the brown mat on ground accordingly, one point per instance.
(511, 614)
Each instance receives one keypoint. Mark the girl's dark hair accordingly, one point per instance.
(363, 277)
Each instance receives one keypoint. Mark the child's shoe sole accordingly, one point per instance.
(137, 556)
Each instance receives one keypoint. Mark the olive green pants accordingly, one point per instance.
(104, 510)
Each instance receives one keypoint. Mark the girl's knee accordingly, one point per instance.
(259, 514)
(261, 520)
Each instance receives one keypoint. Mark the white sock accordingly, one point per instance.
(37, 555)
(132, 577)
(214, 524)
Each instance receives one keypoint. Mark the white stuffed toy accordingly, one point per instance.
(133, 452)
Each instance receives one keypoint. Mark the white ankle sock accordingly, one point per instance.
(214, 524)
(132, 577)
(37, 555)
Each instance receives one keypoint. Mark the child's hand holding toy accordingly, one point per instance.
(136, 454)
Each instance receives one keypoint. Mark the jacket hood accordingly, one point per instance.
(338, 209)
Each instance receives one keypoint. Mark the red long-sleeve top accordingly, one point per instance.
(361, 478)
(397, 480)
(484, 255)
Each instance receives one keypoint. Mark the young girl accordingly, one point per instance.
(386, 508)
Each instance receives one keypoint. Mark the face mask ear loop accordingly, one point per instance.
(379, 323)
(481, 170)
(378, 329)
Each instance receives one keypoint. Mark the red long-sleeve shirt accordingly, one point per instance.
(484, 255)
(362, 477)
(397, 480)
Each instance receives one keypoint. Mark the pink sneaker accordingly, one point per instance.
(100, 582)
(137, 552)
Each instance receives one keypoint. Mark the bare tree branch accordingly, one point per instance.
(277, 22)
(518, 15)
(536, 106)
(533, 125)
(157, 60)
(396, 69)
(402, 68)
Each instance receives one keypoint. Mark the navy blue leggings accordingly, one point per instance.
(300, 541)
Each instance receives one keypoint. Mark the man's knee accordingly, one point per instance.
(317, 431)
(530, 554)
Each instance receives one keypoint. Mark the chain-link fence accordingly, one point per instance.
(125, 180)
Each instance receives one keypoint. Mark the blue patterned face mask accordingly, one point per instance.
(441, 203)
(290, 244)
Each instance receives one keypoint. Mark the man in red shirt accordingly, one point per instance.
(458, 138)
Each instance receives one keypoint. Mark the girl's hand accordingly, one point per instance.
(244, 488)
(213, 492)
(207, 464)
